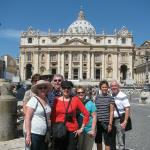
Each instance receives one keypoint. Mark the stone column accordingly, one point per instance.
(81, 66)
(48, 60)
(58, 60)
(92, 66)
(88, 65)
(103, 66)
(62, 63)
(70, 66)
(36, 62)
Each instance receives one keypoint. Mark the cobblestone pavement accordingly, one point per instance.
(16, 144)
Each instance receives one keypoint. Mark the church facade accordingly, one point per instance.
(78, 53)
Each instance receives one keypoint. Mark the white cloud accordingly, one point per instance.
(9, 33)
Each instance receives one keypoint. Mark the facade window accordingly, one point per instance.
(66, 75)
(43, 41)
(84, 57)
(85, 40)
(66, 57)
(28, 56)
(75, 74)
(123, 40)
(123, 56)
(54, 40)
(97, 41)
(97, 74)
(84, 75)
(53, 57)
(53, 70)
(109, 41)
(75, 57)
(97, 57)
(29, 40)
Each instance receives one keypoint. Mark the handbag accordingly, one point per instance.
(129, 122)
(122, 117)
(59, 129)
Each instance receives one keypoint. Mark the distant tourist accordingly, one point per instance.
(29, 93)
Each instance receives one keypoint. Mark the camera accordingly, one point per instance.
(69, 117)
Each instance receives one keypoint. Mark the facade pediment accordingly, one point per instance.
(146, 44)
(75, 42)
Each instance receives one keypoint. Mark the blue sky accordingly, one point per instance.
(18, 15)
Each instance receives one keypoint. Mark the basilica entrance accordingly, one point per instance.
(123, 72)
(28, 71)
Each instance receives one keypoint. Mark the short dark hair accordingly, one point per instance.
(103, 82)
(35, 77)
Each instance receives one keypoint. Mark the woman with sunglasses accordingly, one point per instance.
(37, 118)
(86, 139)
(59, 115)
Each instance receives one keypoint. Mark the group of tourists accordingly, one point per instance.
(58, 116)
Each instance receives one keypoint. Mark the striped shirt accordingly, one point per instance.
(103, 107)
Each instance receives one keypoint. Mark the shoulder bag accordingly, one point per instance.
(122, 117)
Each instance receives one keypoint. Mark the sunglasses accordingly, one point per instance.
(57, 80)
(42, 87)
(80, 92)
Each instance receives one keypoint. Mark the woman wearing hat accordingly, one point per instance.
(59, 115)
(37, 116)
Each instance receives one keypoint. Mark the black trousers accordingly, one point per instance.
(67, 143)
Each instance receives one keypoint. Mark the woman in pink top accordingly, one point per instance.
(59, 113)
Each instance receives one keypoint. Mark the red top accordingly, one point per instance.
(59, 110)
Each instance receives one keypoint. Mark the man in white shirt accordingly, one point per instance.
(123, 106)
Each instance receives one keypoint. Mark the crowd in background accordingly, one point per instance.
(89, 114)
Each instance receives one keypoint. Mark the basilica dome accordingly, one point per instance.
(81, 26)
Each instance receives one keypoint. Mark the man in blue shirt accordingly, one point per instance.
(56, 82)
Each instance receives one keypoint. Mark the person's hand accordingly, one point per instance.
(78, 132)
(28, 140)
(123, 125)
(109, 128)
(92, 133)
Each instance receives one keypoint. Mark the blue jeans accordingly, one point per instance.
(38, 142)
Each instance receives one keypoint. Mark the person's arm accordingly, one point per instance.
(127, 114)
(25, 100)
(93, 129)
(28, 118)
(85, 113)
(111, 117)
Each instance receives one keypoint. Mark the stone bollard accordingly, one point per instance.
(8, 112)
